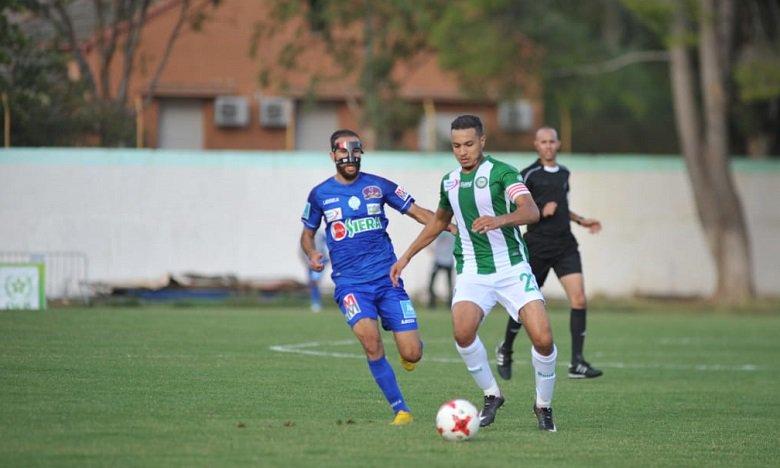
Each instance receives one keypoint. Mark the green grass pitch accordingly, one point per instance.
(218, 386)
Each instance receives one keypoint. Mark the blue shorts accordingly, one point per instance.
(377, 300)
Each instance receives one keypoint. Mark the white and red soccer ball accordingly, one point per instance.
(457, 420)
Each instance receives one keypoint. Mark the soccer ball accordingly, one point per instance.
(457, 420)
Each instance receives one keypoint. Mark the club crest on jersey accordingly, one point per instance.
(351, 306)
(372, 191)
(450, 184)
(340, 230)
(481, 182)
(354, 202)
(401, 193)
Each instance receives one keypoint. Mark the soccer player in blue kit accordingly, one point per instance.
(352, 204)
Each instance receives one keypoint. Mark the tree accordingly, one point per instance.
(701, 98)
(41, 105)
(599, 69)
(372, 34)
(756, 103)
(115, 34)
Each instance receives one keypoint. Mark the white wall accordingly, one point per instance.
(141, 214)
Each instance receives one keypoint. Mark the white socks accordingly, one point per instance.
(544, 371)
(476, 359)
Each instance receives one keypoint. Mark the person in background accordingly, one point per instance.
(443, 262)
(551, 245)
(314, 277)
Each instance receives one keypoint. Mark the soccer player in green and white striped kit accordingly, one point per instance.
(489, 202)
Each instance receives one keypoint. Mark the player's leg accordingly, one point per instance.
(431, 288)
(540, 267)
(448, 271)
(409, 347)
(569, 271)
(543, 357)
(314, 290)
(468, 310)
(358, 307)
(396, 310)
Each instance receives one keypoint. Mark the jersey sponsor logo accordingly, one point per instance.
(372, 191)
(341, 230)
(466, 184)
(306, 211)
(408, 321)
(354, 202)
(338, 231)
(373, 208)
(407, 309)
(351, 306)
(481, 182)
(401, 193)
(333, 214)
(450, 184)
(330, 201)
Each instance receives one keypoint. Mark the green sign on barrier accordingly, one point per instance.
(22, 286)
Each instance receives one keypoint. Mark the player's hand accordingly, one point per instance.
(315, 262)
(484, 224)
(549, 209)
(396, 269)
(593, 225)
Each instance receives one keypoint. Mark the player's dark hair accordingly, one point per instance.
(467, 121)
(341, 133)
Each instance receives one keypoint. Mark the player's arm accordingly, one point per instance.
(424, 215)
(309, 248)
(526, 212)
(593, 225)
(419, 214)
(437, 223)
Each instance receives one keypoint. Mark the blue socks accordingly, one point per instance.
(385, 378)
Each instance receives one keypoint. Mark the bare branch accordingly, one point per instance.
(64, 26)
(614, 64)
(183, 13)
(135, 24)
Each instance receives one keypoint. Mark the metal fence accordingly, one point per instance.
(66, 272)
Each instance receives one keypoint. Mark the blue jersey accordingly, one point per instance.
(356, 225)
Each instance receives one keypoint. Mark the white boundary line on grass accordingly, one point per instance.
(309, 349)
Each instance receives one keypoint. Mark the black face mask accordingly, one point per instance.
(353, 150)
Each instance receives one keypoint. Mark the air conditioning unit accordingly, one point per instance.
(516, 116)
(275, 112)
(231, 111)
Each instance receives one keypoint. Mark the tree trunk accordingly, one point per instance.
(717, 202)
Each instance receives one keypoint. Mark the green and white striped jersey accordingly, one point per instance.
(490, 190)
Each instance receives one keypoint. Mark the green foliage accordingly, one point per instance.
(377, 35)
(170, 386)
(45, 106)
(562, 43)
(758, 79)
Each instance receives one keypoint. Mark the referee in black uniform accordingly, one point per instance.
(551, 244)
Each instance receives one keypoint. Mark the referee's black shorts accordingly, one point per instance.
(564, 258)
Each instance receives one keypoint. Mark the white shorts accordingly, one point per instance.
(513, 288)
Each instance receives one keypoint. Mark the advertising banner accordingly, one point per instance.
(22, 286)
